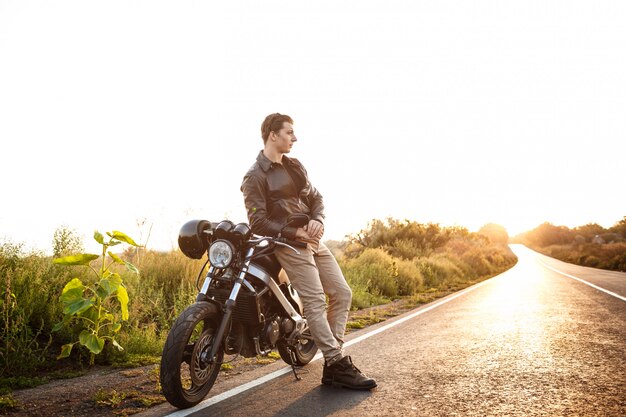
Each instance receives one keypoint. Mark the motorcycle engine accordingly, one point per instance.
(272, 331)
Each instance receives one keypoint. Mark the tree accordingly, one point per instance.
(589, 231)
(66, 242)
(619, 227)
(496, 233)
(547, 234)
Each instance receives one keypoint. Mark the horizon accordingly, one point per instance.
(88, 242)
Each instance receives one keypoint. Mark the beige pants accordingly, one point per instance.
(313, 273)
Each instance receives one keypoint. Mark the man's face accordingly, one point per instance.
(284, 139)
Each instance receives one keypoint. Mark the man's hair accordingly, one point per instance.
(273, 123)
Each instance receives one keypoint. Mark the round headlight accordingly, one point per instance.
(221, 253)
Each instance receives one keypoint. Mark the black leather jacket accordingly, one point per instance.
(271, 196)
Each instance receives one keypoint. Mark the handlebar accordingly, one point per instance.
(280, 241)
(295, 243)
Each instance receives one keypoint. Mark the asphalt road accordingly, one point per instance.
(529, 342)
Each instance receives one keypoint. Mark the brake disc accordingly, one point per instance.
(200, 368)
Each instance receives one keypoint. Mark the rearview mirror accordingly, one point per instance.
(297, 220)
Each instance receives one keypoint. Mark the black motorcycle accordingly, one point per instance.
(245, 306)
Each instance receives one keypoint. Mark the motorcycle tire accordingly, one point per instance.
(304, 352)
(185, 378)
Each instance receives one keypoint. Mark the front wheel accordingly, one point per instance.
(186, 376)
(304, 351)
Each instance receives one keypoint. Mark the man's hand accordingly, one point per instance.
(315, 229)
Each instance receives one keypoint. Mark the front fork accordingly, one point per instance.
(229, 305)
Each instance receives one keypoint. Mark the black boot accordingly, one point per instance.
(343, 373)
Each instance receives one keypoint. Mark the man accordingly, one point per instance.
(275, 187)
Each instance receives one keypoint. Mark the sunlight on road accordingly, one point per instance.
(517, 325)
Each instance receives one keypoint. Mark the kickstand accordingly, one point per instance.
(293, 364)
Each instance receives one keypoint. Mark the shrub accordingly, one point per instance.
(439, 272)
(375, 270)
(409, 279)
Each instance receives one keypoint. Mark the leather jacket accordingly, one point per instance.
(272, 191)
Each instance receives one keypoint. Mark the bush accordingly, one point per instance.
(610, 256)
(409, 279)
(375, 271)
(439, 272)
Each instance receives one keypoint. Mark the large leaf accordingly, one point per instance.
(116, 234)
(91, 314)
(122, 296)
(72, 298)
(101, 292)
(110, 284)
(98, 237)
(92, 342)
(82, 259)
(66, 350)
(78, 307)
(72, 292)
(83, 336)
(116, 258)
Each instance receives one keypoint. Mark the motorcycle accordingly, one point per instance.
(245, 306)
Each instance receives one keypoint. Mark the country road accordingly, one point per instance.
(532, 341)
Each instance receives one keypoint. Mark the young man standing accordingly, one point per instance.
(275, 187)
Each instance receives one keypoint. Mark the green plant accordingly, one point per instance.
(7, 402)
(92, 307)
(19, 348)
(111, 398)
(66, 241)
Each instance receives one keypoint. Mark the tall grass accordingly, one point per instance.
(29, 289)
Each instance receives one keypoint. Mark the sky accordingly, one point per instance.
(115, 114)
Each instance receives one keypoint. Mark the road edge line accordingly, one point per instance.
(583, 281)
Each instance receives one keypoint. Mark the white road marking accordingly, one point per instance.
(583, 281)
(242, 388)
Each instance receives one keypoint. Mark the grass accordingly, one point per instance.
(110, 398)
(7, 402)
(127, 402)
(21, 382)
(134, 360)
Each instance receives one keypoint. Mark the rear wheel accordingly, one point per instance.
(186, 376)
(304, 351)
